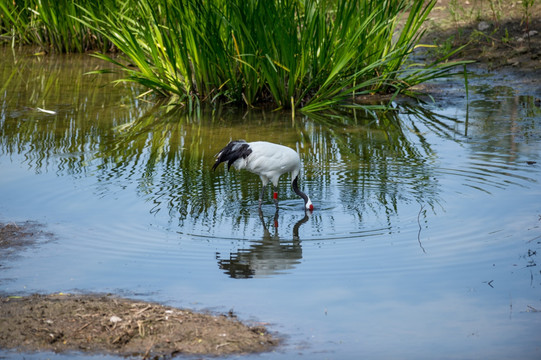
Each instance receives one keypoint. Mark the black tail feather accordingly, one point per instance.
(232, 152)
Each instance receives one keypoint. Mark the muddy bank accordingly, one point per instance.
(496, 34)
(504, 48)
(16, 237)
(111, 325)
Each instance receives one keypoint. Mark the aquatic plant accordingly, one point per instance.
(300, 54)
(51, 24)
(309, 54)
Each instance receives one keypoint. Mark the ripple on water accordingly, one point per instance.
(488, 172)
(130, 253)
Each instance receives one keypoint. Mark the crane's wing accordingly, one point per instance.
(238, 149)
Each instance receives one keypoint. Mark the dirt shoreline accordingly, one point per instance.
(497, 35)
(118, 326)
(107, 324)
(496, 39)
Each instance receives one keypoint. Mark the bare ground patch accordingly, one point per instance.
(111, 325)
(497, 34)
(16, 237)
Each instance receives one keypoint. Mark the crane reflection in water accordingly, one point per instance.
(266, 257)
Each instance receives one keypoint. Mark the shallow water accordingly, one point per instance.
(423, 243)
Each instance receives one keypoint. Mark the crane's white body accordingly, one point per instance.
(268, 160)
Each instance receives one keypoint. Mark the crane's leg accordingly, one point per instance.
(276, 221)
(275, 197)
(261, 195)
(265, 181)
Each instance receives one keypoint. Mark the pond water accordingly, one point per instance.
(423, 243)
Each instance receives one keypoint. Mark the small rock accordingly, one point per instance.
(533, 32)
(114, 319)
(483, 25)
(513, 62)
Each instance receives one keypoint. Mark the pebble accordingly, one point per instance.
(483, 25)
(114, 319)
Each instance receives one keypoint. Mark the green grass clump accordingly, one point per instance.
(51, 24)
(309, 54)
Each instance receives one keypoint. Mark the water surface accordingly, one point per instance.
(423, 243)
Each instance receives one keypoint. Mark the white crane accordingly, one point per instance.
(267, 160)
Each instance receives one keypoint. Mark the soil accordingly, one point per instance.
(15, 237)
(496, 33)
(111, 325)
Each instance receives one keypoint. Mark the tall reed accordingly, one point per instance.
(52, 24)
(309, 54)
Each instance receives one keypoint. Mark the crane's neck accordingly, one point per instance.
(307, 202)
